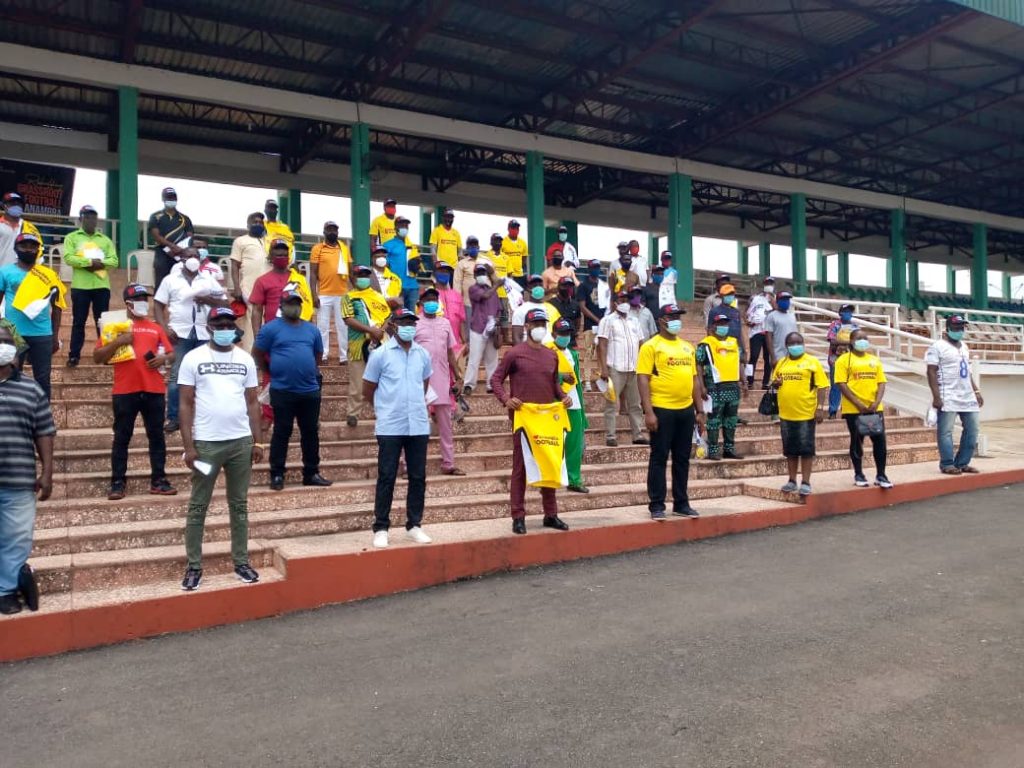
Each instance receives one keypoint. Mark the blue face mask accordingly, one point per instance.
(595, 272)
(402, 232)
(846, 316)
(444, 278)
(783, 304)
(431, 307)
(204, 253)
(955, 335)
(657, 278)
(537, 293)
(674, 327)
(795, 350)
(407, 332)
(562, 341)
(729, 300)
(862, 345)
(473, 251)
(721, 331)
(224, 338)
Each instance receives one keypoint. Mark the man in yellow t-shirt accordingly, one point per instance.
(802, 385)
(515, 251)
(382, 228)
(718, 356)
(447, 241)
(672, 395)
(278, 230)
(330, 264)
(860, 377)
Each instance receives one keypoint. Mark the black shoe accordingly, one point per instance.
(246, 574)
(277, 482)
(641, 441)
(162, 488)
(318, 480)
(611, 442)
(727, 454)
(713, 457)
(72, 362)
(519, 525)
(555, 522)
(116, 492)
(579, 488)
(686, 511)
(10, 604)
(28, 587)
(171, 426)
(193, 578)
(352, 421)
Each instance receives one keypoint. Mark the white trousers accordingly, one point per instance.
(480, 348)
(330, 306)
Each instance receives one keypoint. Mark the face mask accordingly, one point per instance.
(381, 262)
(729, 300)
(846, 316)
(7, 353)
(170, 204)
(403, 232)
(783, 304)
(431, 307)
(955, 335)
(472, 252)
(674, 327)
(657, 279)
(257, 230)
(444, 278)
(721, 331)
(331, 238)
(204, 253)
(769, 289)
(623, 307)
(139, 308)
(15, 211)
(862, 345)
(562, 341)
(563, 236)
(537, 293)
(538, 334)
(556, 262)
(626, 264)
(483, 280)
(513, 234)
(407, 332)
(795, 350)
(362, 283)
(291, 311)
(26, 257)
(595, 272)
(280, 262)
(634, 249)
(636, 301)
(192, 264)
(390, 211)
(224, 338)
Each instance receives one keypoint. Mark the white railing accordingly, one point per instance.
(991, 334)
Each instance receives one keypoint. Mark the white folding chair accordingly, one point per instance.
(224, 263)
(64, 271)
(145, 272)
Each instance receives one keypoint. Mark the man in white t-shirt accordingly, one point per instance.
(534, 300)
(954, 391)
(220, 428)
(757, 312)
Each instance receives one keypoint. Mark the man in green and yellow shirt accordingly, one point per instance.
(90, 253)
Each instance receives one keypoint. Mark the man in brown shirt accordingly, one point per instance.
(532, 371)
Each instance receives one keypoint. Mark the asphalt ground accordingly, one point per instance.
(888, 638)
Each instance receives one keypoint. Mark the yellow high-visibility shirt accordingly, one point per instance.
(725, 354)
(515, 255)
(382, 228)
(447, 243)
(499, 261)
(801, 380)
(862, 374)
(671, 366)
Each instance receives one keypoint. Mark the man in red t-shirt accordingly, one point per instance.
(266, 292)
(138, 388)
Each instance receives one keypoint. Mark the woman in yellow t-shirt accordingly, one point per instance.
(861, 380)
(802, 385)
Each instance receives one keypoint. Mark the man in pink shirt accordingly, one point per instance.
(436, 336)
(451, 303)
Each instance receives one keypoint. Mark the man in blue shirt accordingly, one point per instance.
(396, 379)
(400, 263)
(291, 349)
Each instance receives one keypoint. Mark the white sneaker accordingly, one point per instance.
(380, 539)
(417, 535)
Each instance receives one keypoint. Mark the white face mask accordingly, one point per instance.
(482, 280)
(769, 289)
(170, 204)
(538, 334)
(192, 264)
(623, 308)
(403, 232)
(140, 308)
(7, 353)
(381, 262)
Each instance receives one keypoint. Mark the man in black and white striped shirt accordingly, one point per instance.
(26, 430)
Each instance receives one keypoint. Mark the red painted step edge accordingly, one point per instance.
(312, 582)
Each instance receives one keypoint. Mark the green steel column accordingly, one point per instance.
(550, 236)
(113, 202)
(426, 224)
(360, 193)
(979, 268)
(742, 258)
(1007, 287)
(289, 203)
(535, 211)
(898, 256)
(844, 269)
(128, 171)
(680, 232)
(822, 267)
(652, 249)
(798, 240)
(913, 277)
(764, 258)
(950, 280)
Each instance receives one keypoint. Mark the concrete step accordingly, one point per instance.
(752, 440)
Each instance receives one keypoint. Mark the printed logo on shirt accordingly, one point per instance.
(222, 369)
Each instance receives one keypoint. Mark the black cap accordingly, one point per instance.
(562, 326)
(428, 291)
(279, 243)
(785, 295)
(956, 320)
(769, 279)
(391, 201)
(28, 237)
(497, 236)
(472, 239)
(846, 306)
(363, 270)
(168, 193)
(290, 295)
(722, 276)
(534, 279)
(402, 315)
(567, 281)
(380, 249)
(271, 202)
(657, 268)
(536, 316)
(563, 228)
(672, 310)
(719, 316)
(134, 291)
(512, 224)
(86, 209)
(594, 263)
(666, 255)
(13, 197)
(400, 219)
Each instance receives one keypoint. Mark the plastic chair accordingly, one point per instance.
(145, 272)
(225, 266)
(64, 271)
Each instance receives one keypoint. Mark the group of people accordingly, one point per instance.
(228, 363)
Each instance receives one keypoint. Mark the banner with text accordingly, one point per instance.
(46, 188)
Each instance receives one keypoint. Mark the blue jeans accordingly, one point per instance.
(835, 397)
(181, 348)
(17, 519)
(968, 439)
(410, 296)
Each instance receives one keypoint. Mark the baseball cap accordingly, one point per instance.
(400, 219)
(719, 316)
(135, 291)
(472, 239)
(769, 279)
(536, 316)
(86, 209)
(567, 281)
(271, 201)
(391, 201)
(534, 279)
(168, 193)
(216, 312)
(846, 306)
(956, 320)
(279, 243)
(622, 294)
(402, 314)
(666, 255)
(290, 295)
(622, 244)
(563, 228)
(448, 212)
(785, 295)
(428, 291)
(380, 249)
(28, 237)
(497, 235)
(562, 326)
(444, 265)
(13, 197)
(363, 270)
(330, 224)
(513, 224)
(594, 263)
(480, 269)
(727, 289)
(672, 309)
(722, 276)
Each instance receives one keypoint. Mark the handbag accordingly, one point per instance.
(870, 424)
(769, 405)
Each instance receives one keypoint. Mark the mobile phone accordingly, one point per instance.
(149, 355)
